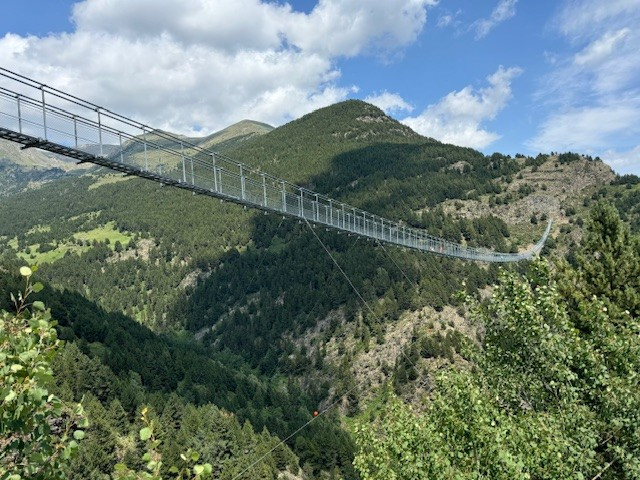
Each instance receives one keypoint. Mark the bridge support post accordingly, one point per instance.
(301, 203)
(75, 130)
(184, 168)
(146, 156)
(284, 197)
(331, 212)
(44, 113)
(19, 114)
(215, 175)
(243, 192)
(264, 190)
(99, 130)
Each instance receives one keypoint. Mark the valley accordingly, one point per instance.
(196, 307)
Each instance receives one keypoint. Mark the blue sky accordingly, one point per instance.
(497, 75)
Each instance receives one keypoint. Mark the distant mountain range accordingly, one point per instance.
(21, 169)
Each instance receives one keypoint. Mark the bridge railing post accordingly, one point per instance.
(355, 227)
(331, 212)
(146, 155)
(44, 112)
(243, 193)
(184, 167)
(284, 197)
(100, 131)
(264, 190)
(19, 114)
(215, 176)
(75, 130)
(301, 203)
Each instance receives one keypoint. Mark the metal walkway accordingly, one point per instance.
(36, 115)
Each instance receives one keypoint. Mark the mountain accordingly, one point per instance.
(259, 292)
(233, 135)
(20, 169)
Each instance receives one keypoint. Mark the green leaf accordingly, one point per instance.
(78, 434)
(16, 367)
(198, 469)
(145, 434)
(195, 456)
(10, 396)
(37, 287)
(38, 305)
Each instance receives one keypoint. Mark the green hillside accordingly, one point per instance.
(21, 169)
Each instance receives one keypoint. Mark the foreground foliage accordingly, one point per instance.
(38, 433)
(552, 394)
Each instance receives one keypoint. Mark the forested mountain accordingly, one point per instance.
(199, 308)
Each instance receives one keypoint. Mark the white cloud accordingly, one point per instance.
(601, 49)
(176, 64)
(592, 93)
(450, 20)
(389, 102)
(504, 10)
(458, 117)
(445, 20)
(579, 18)
(589, 129)
(626, 161)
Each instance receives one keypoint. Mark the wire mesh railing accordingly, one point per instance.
(35, 114)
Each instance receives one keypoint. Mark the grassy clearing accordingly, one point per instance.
(39, 229)
(100, 234)
(108, 179)
(51, 256)
(88, 215)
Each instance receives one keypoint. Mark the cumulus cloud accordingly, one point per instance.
(458, 117)
(178, 64)
(504, 10)
(389, 102)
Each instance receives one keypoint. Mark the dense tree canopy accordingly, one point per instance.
(552, 393)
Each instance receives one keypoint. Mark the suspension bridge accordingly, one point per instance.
(39, 116)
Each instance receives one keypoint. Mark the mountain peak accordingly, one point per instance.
(234, 134)
(352, 120)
